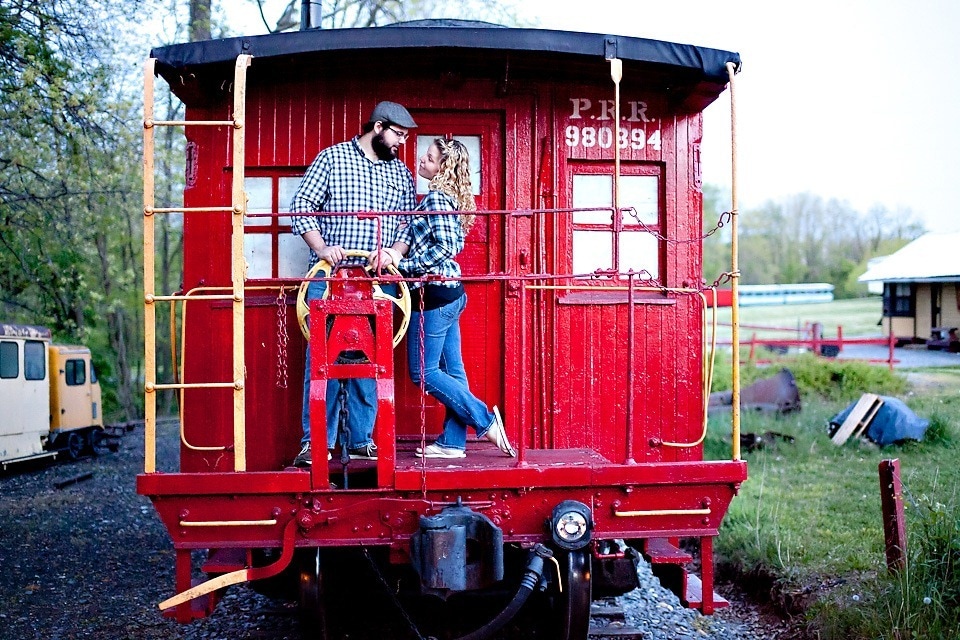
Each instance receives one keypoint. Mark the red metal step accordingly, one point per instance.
(663, 551)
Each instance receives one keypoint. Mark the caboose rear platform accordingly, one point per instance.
(651, 505)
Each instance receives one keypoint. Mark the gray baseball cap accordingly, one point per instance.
(392, 112)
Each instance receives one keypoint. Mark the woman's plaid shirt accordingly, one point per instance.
(436, 241)
(342, 179)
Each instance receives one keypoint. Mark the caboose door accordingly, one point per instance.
(482, 324)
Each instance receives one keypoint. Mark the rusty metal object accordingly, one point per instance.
(776, 394)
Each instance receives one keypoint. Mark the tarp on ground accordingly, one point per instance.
(894, 422)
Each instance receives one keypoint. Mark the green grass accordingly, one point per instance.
(809, 515)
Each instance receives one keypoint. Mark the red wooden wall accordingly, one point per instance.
(556, 362)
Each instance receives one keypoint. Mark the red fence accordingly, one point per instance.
(810, 337)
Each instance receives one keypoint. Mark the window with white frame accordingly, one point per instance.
(603, 240)
(472, 143)
(270, 249)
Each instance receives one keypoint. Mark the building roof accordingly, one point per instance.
(933, 257)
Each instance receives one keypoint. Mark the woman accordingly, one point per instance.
(433, 345)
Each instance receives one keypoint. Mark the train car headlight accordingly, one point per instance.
(571, 524)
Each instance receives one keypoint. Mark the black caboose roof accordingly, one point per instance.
(702, 70)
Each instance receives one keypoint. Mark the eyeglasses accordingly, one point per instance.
(402, 135)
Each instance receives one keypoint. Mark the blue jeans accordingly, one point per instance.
(443, 374)
(361, 401)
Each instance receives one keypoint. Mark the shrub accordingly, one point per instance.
(817, 377)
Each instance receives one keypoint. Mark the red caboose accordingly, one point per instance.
(584, 322)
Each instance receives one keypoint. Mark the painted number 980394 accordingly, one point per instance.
(602, 111)
(589, 137)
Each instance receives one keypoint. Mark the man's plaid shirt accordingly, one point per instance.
(436, 241)
(343, 179)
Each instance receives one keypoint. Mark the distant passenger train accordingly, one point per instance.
(754, 295)
(49, 394)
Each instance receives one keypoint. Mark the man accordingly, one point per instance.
(362, 174)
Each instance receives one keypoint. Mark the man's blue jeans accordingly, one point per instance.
(361, 401)
(443, 374)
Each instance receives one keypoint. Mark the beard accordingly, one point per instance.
(383, 151)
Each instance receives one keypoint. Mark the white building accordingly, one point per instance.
(921, 287)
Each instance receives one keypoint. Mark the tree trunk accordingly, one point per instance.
(199, 20)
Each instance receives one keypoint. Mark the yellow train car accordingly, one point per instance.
(50, 399)
(76, 420)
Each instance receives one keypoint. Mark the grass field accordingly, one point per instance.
(809, 515)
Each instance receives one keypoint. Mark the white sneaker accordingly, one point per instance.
(498, 436)
(438, 451)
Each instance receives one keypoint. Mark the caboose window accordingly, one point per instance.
(472, 143)
(34, 360)
(9, 360)
(627, 241)
(270, 249)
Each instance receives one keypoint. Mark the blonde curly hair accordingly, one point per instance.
(453, 178)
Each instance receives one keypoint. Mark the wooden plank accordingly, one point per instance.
(861, 427)
(861, 415)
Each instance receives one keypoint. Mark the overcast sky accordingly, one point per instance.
(857, 100)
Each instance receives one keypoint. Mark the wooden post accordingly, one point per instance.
(891, 342)
(894, 525)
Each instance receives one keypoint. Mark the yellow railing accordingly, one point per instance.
(237, 208)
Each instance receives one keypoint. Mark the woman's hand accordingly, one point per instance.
(384, 258)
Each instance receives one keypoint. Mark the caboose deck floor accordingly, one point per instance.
(484, 467)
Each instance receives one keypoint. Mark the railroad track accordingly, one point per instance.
(607, 620)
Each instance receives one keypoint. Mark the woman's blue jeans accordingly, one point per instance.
(361, 400)
(442, 371)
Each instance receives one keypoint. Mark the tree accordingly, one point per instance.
(804, 238)
(69, 191)
(716, 246)
(341, 14)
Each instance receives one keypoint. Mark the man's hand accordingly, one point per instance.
(332, 254)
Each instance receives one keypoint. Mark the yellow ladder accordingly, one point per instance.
(238, 209)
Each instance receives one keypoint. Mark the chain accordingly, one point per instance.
(724, 278)
(343, 429)
(723, 219)
(393, 596)
(283, 338)
(423, 394)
